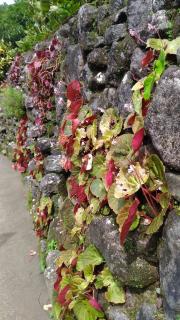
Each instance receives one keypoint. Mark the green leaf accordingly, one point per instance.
(84, 311)
(159, 65)
(66, 257)
(157, 180)
(97, 188)
(84, 113)
(110, 124)
(88, 273)
(92, 132)
(99, 166)
(148, 86)
(80, 134)
(121, 147)
(164, 200)
(57, 310)
(123, 214)
(46, 202)
(115, 294)
(105, 211)
(138, 124)
(114, 203)
(173, 46)
(104, 279)
(138, 85)
(94, 205)
(135, 223)
(157, 44)
(90, 256)
(137, 101)
(130, 179)
(156, 223)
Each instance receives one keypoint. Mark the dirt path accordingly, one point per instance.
(22, 288)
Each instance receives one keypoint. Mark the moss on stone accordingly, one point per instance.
(104, 24)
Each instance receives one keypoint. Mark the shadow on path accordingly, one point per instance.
(22, 288)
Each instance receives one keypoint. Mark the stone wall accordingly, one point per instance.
(103, 48)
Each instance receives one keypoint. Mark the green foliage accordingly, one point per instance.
(12, 101)
(6, 56)
(51, 245)
(89, 257)
(29, 200)
(83, 310)
(115, 293)
(14, 20)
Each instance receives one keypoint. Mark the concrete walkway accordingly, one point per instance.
(22, 288)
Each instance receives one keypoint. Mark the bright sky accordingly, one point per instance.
(6, 1)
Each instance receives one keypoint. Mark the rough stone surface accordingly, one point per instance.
(139, 16)
(124, 94)
(113, 313)
(50, 271)
(173, 181)
(119, 59)
(74, 63)
(98, 58)
(51, 183)
(164, 4)
(117, 4)
(115, 33)
(160, 21)
(170, 266)
(100, 102)
(44, 144)
(52, 164)
(163, 118)
(60, 94)
(147, 312)
(104, 234)
(86, 17)
(90, 40)
(35, 131)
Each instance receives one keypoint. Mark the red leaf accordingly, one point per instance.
(138, 139)
(62, 296)
(109, 177)
(131, 120)
(127, 224)
(88, 120)
(75, 107)
(56, 284)
(74, 262)
(148, 57)
(68, 165)
(77, 191)
(75, 123)
(76, 207)
(74, 91)
(93, 302)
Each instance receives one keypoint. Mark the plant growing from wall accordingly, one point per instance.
(111, 172)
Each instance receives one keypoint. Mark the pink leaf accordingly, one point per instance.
(62, 295)
(138, 139)
(93, 302)
(127, 224)
(109, 178)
